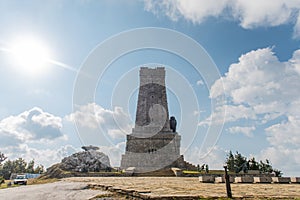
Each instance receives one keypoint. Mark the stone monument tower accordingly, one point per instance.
(153, 145)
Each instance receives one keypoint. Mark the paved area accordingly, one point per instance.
(149, 187)
(191, 187)
(59, 190)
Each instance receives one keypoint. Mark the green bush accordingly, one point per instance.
(2, 180)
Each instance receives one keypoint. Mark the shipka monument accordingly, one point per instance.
(154, 143)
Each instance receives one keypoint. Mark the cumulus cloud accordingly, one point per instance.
(248, 131)
(261, 90)
(193, 10)
(66, 150)
(285, 133)
(285, 159)
(200, 82)
(215, 158)
(267, 13)
(45, 156)
(32, 125)
(249, 14)
(259, 77)
(33, 134)
(295, 61)
(114, 153)
(234, 113)
(261, 86)
(115, 122)
(36, 134)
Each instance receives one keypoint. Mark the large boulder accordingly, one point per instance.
(90, 160)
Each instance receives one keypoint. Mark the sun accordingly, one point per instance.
(30, 55)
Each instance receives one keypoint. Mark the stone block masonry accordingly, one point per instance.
(152, 145)
(281, 179)
(221, 179)
(152, 115)
(295, 179)
(207, 179)
(243, 179)
(262, 179)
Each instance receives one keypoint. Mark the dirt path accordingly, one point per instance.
(51, 191)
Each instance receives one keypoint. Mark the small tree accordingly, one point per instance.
(277, 172)
(265, 167)
(2, 158)
(206, 168)
(20, 165)
(2, 180)
(198, 168)
(230, 162)
(253, 165)
(235, 162)
(39, 169)
(8, 168)
(30, 167)
(239, 161)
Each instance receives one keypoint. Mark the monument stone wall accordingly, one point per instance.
(152, 145)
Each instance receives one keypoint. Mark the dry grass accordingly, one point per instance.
(29, 182)
(5, 184)
(35, 181)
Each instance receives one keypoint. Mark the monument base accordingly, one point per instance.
(160, 151)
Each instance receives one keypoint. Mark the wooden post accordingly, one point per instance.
(227, 182)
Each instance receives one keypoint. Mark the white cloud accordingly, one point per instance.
(248, 131)
(267, 13)
(260, 86)
(200, 82)
(116, 122)
(215, 158)
(285, 159)
(35, 134)
(193, 10)
(31, 125)
(297, 28)
(233, 113)
(285, 133)
(66, 150)
(116, 133)
(295, 61)
(249, 14)
(44, 156)
(260, 89)
(114, 153)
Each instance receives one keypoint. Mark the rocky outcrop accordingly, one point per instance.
(90, 160)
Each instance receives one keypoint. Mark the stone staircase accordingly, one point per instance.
(158, 173)
(190, 166)
(184, 165)
(181, 163)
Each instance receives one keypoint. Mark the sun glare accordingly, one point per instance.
(30, 55)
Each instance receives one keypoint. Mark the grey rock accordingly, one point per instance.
(90, 147)
(90, 160)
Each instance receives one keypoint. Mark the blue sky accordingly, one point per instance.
(254, 46)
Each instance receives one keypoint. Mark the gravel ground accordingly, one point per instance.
(151, 187)
(191, 187)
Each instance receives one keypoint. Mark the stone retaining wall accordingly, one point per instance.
(249, 179)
